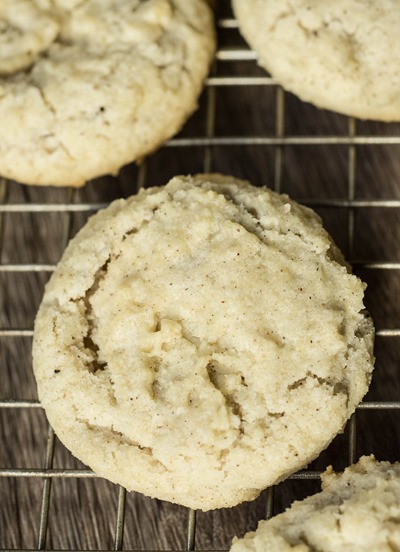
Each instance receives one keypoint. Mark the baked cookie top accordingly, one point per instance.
(201, 341)
(337, 54)
(88, 86)
(357, 510)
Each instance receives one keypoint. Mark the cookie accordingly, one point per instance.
(336, 54)
(357, 510)
(26, 30)
(86, 87)
(201, 341)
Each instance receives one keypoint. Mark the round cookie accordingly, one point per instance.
(86, 87)
(201, 341)
(337, 54)
(357, 510)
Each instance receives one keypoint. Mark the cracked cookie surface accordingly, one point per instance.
(357, 510)
(336, 54)
(201, 341)
(87, 86)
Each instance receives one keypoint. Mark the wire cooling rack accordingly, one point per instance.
(248, 126)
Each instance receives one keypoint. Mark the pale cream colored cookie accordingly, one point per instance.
(338, 54)
(357, 511)
(89, 86)
(201, 341)
(27, 28)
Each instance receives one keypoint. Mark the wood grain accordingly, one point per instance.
(82, 512)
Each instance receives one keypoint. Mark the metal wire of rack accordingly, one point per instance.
(72, 207)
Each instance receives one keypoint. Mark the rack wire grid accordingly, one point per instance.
(247, 126)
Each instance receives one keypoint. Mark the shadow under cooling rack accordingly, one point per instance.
(247, 126)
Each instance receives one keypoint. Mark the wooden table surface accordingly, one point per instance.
(250, 129)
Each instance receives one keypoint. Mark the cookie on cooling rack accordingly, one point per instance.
(86, 87)
(201, 341)
(337, 54)
(357, 510)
